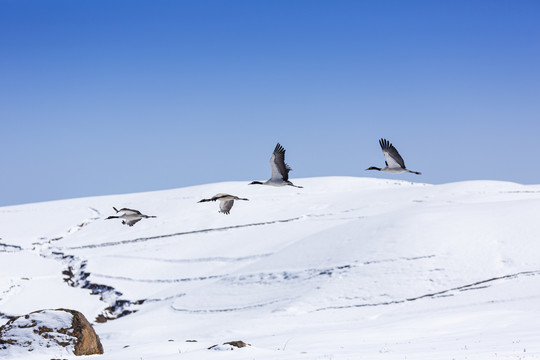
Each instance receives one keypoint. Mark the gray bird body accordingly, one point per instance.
(129, 216)
(226, 202)
(394, 161)
(280, 170)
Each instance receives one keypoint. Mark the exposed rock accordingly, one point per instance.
(67, 331)
(77, 276)
(238, 344)
(229, 345)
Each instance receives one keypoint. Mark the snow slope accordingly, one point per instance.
(345, 268)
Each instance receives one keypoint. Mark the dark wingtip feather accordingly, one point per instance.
(385, 144)
(279, 148)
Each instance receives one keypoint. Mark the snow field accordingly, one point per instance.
(346, 268)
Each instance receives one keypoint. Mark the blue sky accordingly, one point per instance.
(105, 97)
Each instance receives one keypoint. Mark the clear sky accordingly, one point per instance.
(104, 97)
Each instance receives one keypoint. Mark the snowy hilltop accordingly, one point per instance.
(343, 268)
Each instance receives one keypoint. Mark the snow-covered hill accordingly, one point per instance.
(345, 268)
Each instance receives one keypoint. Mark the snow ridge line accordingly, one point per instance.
(473, 286)
(4, 248)
(202, 260)
(148, 238)
(247, 307)
(254, 277)
(299, 275)
(160, 281)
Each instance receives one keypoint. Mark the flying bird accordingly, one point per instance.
(394, 161)
(280, 170)
(226, 202)
(129, 216)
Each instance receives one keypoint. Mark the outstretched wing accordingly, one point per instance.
(127, 211)
(225, 206)
(393, 159)
(215, 197)
(280, 170)
(132, 222)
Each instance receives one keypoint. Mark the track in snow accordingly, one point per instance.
(202, 231)
(267, 277)
(479, 285)
(149, 238)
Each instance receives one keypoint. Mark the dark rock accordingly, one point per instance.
(232, 345)
(238, 344)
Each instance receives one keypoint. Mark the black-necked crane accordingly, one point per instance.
(129, 216)
(394, 161)
(226, 202)
(280, 170)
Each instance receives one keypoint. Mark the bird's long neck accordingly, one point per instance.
(373, 168)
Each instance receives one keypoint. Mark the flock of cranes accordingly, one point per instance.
(280, 177)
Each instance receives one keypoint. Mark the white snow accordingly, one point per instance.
(345, 268)
(23, 331)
